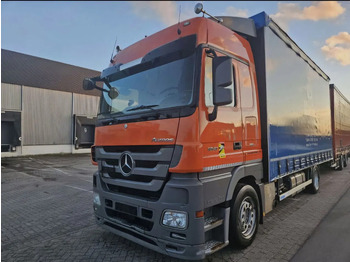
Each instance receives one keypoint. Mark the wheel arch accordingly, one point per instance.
(249, 175)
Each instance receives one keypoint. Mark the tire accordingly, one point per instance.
(244, 219)
(341, 163)
(314, 187)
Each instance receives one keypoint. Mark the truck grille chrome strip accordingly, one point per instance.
(148, 168)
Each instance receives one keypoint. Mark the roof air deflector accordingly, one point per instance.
(240, 25)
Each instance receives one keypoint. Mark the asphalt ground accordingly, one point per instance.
(47, 215)
(331, 239)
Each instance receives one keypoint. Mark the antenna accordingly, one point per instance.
(179, 14)
(178, 24)
(113, 49)
(199, 8)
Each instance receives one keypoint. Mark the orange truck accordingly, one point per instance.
(203, 128)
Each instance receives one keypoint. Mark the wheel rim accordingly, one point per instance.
(247, 217)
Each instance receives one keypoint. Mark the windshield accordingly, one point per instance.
(165, 86)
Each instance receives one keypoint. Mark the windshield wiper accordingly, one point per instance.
(142, 107)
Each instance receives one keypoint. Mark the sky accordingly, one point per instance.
(83, 33)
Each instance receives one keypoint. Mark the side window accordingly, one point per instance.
(208, 83)
(245, 83)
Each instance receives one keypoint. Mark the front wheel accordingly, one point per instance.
(315, 176)
(244, 216)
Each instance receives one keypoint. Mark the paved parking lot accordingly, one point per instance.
(47, 215)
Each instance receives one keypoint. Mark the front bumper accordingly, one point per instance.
(139, 220)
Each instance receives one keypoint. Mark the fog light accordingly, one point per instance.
(176, 219)
(97, 199)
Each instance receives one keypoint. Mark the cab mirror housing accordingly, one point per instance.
(113, 93)
(222, 80)
(88, 84)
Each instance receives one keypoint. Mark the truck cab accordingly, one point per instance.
(168, 145)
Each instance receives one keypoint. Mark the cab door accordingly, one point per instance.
(222, 139)
(251, 144)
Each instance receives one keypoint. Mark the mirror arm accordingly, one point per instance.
(107, 84)
(212, 116)
(97, 79)
(101, 89)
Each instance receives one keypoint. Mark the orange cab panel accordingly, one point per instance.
(162, 132)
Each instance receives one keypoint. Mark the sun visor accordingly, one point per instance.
(185, 44)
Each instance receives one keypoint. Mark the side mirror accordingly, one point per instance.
(113, 93)
(222, 80)
(88, 84)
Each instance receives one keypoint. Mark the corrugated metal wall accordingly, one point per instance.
(84, 105)
(10, 97)
(47, 117)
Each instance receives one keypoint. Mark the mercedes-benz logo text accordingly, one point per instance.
(162, 139)
(126, 164)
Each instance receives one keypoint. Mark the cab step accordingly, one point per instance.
(213, 246)
(212, 222)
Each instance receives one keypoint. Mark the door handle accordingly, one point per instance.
(237, 145)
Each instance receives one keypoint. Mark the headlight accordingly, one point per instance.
(97, 199)
(177, 219)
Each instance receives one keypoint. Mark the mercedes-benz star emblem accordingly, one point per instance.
(126, 164)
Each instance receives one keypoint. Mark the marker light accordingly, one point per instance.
(176, 219)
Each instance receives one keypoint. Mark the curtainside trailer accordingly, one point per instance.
(340, 108)
(294, 108)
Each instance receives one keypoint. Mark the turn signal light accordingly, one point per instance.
(199, 214)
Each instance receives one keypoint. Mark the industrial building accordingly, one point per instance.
(44, 109)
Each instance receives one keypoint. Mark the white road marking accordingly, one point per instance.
(82, 189)
(47, 164)
(59, 170)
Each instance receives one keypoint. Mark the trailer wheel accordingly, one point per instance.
(315, 176)
(244, 219)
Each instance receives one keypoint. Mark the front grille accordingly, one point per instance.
(133, 149)
(126, 209)
(143, 194)
(129, 220)
(147, 176)
(107, 172)
(146, 164)
(112, 162)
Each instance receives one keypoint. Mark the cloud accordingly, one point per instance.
(338, 48)
(317, 11)
(233, 11)
(165, 11)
